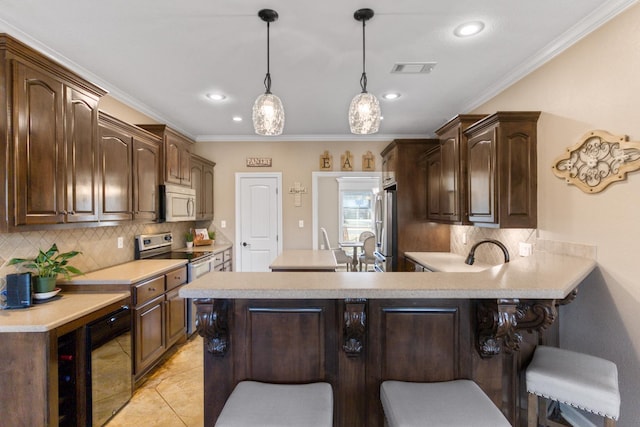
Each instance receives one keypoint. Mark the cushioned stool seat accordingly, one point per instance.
(278, 405)
(458, 403)
(583, 381)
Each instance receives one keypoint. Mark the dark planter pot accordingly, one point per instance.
(44, 284)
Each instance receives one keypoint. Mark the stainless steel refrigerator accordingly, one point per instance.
(386, 231)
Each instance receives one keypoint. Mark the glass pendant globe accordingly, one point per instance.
(364, 114)
(268, 115)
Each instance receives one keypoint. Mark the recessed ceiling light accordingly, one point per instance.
(216, 96)
(237, 118)
(391, 95)
(469, 29)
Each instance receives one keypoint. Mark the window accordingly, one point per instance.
(356, 206)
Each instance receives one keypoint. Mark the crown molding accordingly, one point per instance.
(307, 138)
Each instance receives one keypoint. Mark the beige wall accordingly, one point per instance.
(593, 85)
(295, 160)
(125, 113)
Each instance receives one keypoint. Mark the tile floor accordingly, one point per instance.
(172, 396)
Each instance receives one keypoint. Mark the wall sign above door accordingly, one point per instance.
(598, 159)
(259, 162)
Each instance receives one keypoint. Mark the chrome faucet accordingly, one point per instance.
(471, 257)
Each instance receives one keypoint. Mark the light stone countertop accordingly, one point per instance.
(46, 316)
(305, 260)
(539, 276)
(445, 262)
(127, 273)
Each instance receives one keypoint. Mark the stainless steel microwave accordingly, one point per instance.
(177, 203)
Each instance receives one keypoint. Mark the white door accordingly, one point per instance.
(258, 219)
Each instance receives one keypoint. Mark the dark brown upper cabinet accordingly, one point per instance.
(401, 161)
(49, 142)
(129, 170)
(202, 182)
(446, 167)
(176, 154)
(502, 174)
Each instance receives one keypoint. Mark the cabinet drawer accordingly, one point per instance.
(227, 255)
(148, 290)
(218, 259)
(176, 277)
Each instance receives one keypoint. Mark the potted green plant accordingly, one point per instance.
(48, 265)
(212, 236)
(188, 237)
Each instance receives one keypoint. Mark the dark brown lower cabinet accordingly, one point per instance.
(176, 312)
(160, 318)
(149, 327)
(354, 345)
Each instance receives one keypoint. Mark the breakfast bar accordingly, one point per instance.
(356, 330)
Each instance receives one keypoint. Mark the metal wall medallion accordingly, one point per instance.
(598, 159)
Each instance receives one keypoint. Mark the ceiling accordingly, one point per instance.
(162, 58)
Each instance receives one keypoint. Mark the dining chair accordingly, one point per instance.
(363, 236)
(341, 255)
(367, 257)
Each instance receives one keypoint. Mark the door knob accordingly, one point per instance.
(245, 244)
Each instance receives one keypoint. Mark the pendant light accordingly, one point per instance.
(268, 114)
(364, 112)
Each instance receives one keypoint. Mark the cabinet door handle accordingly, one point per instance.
(152, 289)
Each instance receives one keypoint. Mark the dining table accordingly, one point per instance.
(356, 246)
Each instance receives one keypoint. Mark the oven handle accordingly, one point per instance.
(202, 261)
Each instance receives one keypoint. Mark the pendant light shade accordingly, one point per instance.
(364, 111)
(268, 113)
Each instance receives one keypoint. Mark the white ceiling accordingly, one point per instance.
(162, 56)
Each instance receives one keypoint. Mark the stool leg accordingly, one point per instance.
(532, 411)
(609, 422)
(543, 408)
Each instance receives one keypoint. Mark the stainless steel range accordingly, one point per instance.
(159, 246)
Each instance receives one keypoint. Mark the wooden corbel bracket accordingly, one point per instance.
(212, 324)
(355, 328)
(499, 322)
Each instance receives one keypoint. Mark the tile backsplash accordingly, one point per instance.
(98, 245)
(490, 254)
(511, 238)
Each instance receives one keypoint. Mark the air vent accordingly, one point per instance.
(413, 67)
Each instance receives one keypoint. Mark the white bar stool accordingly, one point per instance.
(278, 405)
(580, 380)
(449, 403)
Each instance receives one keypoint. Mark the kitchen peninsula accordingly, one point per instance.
(356, 330)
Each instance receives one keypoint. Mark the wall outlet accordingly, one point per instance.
(223, 224)
(301, 223)
(464, 238)
(525, 249)
(120, 242)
